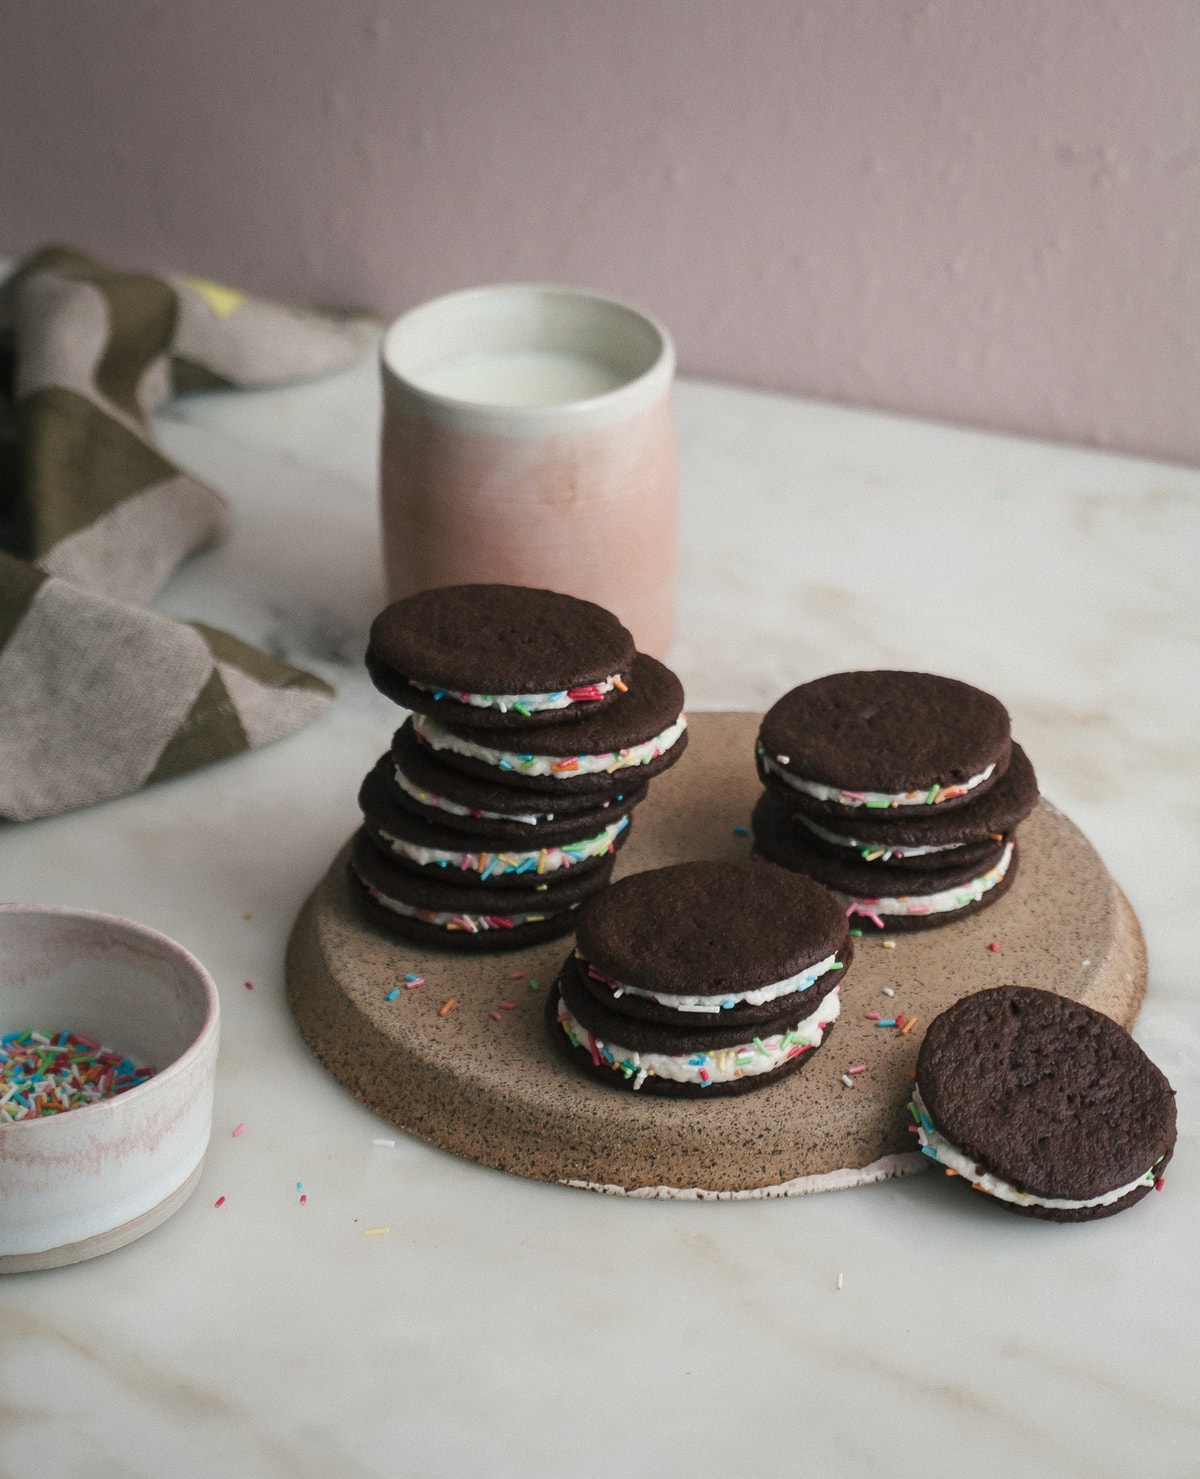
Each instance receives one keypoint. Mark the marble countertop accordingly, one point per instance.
(504, 1327)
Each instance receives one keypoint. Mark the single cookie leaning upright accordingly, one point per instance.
(884, 740)
(701, 978)
(499, 656)
(1042, 1103)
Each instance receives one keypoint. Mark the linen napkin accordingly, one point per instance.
(98, 695)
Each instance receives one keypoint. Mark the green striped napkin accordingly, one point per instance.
(99, 696)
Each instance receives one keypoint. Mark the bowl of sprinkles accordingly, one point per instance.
(108, 1053)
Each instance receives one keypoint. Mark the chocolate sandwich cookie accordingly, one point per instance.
(936, 840)
(893, 741)
(891, 897)
(701, 978)
(633, 738)
(1042, 1103)
(467, 803)
(499, 656)
(482, 918)
(482, 858)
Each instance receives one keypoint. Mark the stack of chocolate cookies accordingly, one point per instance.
(901, 792)
(701, 979)
(535, 728)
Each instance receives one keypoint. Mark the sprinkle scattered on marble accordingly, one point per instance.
(494, 1015)
(741, 831)
(857, 1068)
(889, 944)
(249, 985)
(847, 1080)
(517, 976)
(448, 1005)
(220, 1202)
(993, 946)
(48, 1073)
(888, 991)
(238, 1129)
(908, 1027)
(856, 934)
(381, 1141)
(375, 1232)
(392, 994)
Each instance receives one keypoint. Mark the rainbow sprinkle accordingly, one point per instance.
(46, 1073)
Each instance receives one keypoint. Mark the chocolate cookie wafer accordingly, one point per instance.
(467, 803)
(482, 857)
(887, 740)
(891, 897)
(933, 840)
(1043, 1104)
(480, 919)
(499, 656)
(633, 738)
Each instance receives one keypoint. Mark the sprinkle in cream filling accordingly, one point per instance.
(713, 1004)
(746, 1060)
(440, 803)
(488, 864)
(877, 800)
(940, 903)
(558, 767)
(935, 1145)
(527, 703)
(474, 924)
(874, 852)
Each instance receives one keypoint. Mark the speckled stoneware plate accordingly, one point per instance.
(492, 1088)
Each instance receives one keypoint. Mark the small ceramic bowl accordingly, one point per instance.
(80, 1183)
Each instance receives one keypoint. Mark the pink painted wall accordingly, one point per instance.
(986, 211)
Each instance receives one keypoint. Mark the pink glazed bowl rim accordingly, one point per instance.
(163, 1076)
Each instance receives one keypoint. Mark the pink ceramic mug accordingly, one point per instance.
(528, 437)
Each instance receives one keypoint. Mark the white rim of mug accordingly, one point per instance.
(638, 392)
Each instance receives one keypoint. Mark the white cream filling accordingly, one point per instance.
(557, 766)
(713, 1004)
(940, 903)
(542, 860)
(876, 799)
(439, 803)
(533, 703)
(938, 1148)
(746, 1060)
(473, 923)
(875, 852)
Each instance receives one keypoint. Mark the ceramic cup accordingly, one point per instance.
(528, 438)
(83, 1182)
